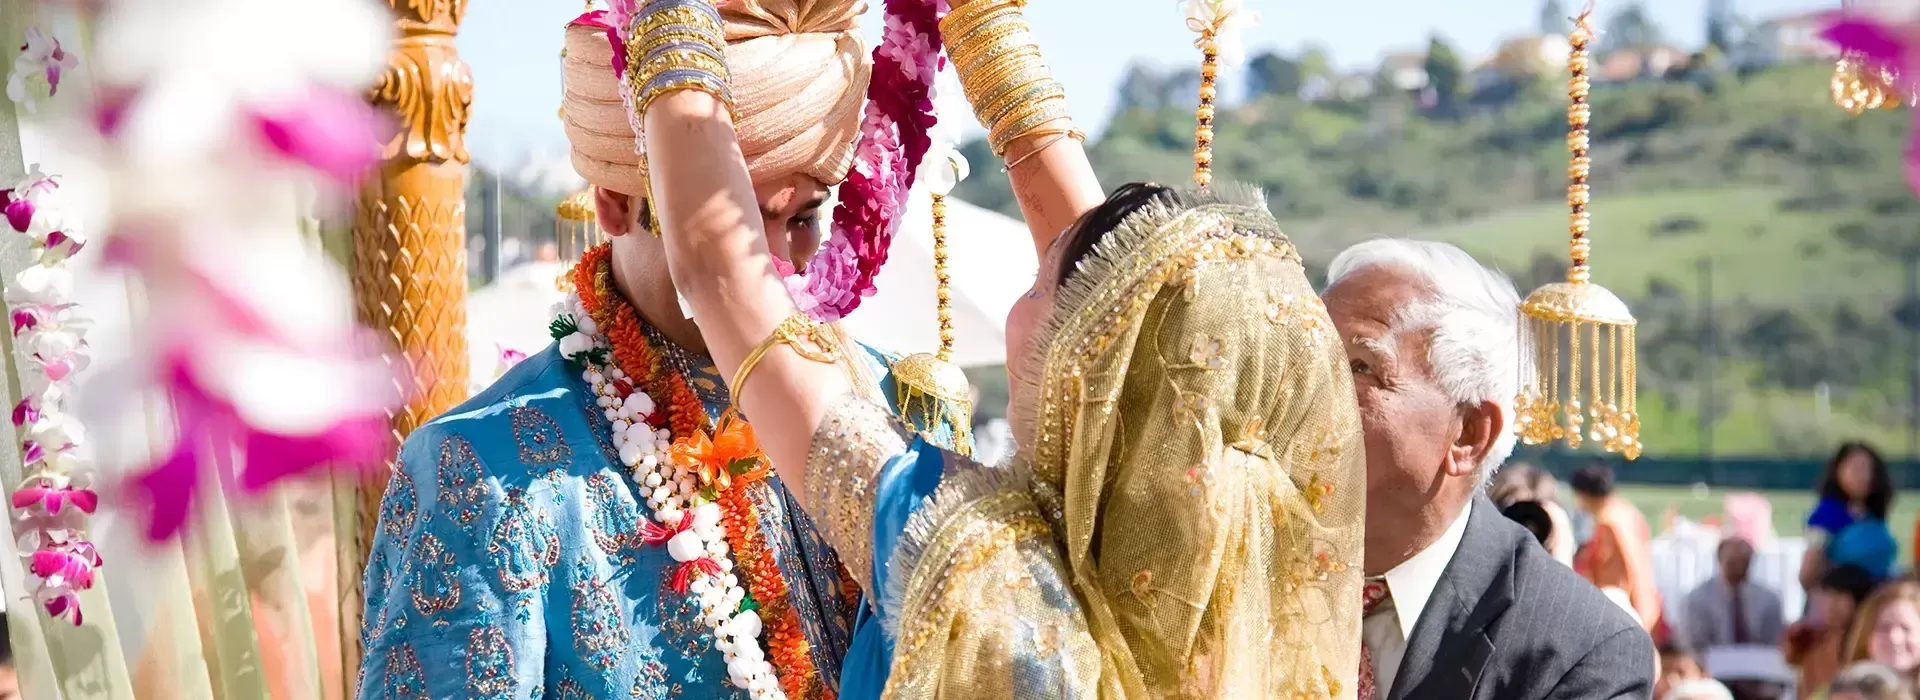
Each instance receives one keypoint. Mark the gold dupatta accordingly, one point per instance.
(1188, 517)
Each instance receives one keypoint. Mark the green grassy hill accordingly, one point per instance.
(1801, 209)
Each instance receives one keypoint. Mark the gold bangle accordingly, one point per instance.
(1028, 100)
(1050, 110)
(1006, 99)
(1070, 133)
(1017, 62)
(970, 15)
(994, 34)
(810, 339)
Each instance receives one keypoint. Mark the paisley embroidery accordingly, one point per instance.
(569, 690)
(599, 635)
(616, 517)
(404, 680)
(436, 583)
(680, 626)
(489, 663)
(525, 546)
(398, 505)
(539, 437)
(650, 683)
(377, 585)
(463, 488)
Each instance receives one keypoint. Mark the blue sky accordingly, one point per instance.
(513, 46)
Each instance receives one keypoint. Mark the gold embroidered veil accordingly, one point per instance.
(1187, 518)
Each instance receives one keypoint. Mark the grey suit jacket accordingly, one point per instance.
(1507, 622)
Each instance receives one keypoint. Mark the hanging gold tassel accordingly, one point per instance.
(932, 390)
(1578, 320)
(1858, 87)
(576, 228)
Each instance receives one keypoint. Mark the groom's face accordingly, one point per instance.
(791, 208)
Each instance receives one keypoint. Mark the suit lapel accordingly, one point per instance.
(1449, 647)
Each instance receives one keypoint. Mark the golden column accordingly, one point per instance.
(409, 254)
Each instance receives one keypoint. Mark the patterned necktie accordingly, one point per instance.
(1374, 598)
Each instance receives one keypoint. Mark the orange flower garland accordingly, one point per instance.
(787, 646)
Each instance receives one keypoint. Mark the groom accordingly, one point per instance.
(516, 555)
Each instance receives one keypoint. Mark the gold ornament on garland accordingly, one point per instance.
(1219, 24)
(1577, 321)
(1858, 87)
(933, 390)
(576, 228)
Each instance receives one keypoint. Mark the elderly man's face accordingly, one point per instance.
(1414, 431)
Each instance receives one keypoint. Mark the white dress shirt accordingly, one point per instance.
(1409, 586)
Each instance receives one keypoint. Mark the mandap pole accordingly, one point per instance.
(409, 256)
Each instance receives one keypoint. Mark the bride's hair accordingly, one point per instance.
(1103, 219)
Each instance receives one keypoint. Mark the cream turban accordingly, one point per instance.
(800, 74)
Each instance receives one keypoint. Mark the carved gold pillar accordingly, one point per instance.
(409, 251)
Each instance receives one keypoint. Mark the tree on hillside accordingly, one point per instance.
(1141, 88)
(1273, 74)
(1720, 24)
(1631, 28)
(1553, 18)
(1445, 77)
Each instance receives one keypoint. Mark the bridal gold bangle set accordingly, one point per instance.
(675, 45)
(1011, 90)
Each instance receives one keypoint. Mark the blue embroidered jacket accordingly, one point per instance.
(508, 564)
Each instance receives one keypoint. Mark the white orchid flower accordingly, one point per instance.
(1225, 22)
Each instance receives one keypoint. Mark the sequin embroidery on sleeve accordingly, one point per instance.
(615, 518)
(463, 486)
(524, 546)
(850, 447)
(398, 506)
(489, 663)
(599, 636)
(404, 680)
(436, 583)
(540, 439)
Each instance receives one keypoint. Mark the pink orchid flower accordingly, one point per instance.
(27, 411)
(1894, 47)
(165, 492)
(62, 245)
(331, 131)
(61, 604)
(509, 356)
(65, 566)
(22, 200)
(41, 57)
(53, 498)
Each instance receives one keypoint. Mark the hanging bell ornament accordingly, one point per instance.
(1578, 379)
(932, 390)
(575, 228)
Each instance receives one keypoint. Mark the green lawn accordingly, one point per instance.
(1790, 509)
(1760, 252)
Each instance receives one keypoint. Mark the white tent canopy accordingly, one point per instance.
(989, 256)
(990, 262)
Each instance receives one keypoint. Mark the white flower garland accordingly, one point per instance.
(50, 332)
(699, 542)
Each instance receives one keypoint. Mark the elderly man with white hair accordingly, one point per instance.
(1460, 602)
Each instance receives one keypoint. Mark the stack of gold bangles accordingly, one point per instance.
(1011, 90)
(676, 45)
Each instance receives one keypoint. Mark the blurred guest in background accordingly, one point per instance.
(1620, 555)
(1849, 524)
(1533, 517)
(1815, 643)
(1525, 482)
(1870, 681)
(1677, 666)
(1887, 629)
(1731, 609)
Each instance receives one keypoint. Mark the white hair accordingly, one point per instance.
(1474, 314)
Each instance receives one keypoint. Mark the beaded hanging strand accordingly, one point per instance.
(1219, 23)
(1579, 222)
(1203, 132)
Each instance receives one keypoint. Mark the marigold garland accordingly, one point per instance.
(787, 647)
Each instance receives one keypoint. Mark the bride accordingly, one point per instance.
(1183, 514)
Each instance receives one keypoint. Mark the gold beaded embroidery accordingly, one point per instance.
(436, 586)
(540, 439)
(843, 467)
(489, 662)
(598, 634)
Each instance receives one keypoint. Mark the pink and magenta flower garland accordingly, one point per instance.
(894, 128)
(248, 332)
(49, 330)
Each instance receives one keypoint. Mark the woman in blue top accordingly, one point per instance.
(1849, 524)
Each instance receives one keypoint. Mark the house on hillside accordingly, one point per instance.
(1346, 87)
(1405, 70)
(1521, 58)
(1790, 39)
(1627, 65)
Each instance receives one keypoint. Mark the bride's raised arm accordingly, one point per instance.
(1025, 112)
(713, 233)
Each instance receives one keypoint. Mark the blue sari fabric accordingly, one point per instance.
(508, 564)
